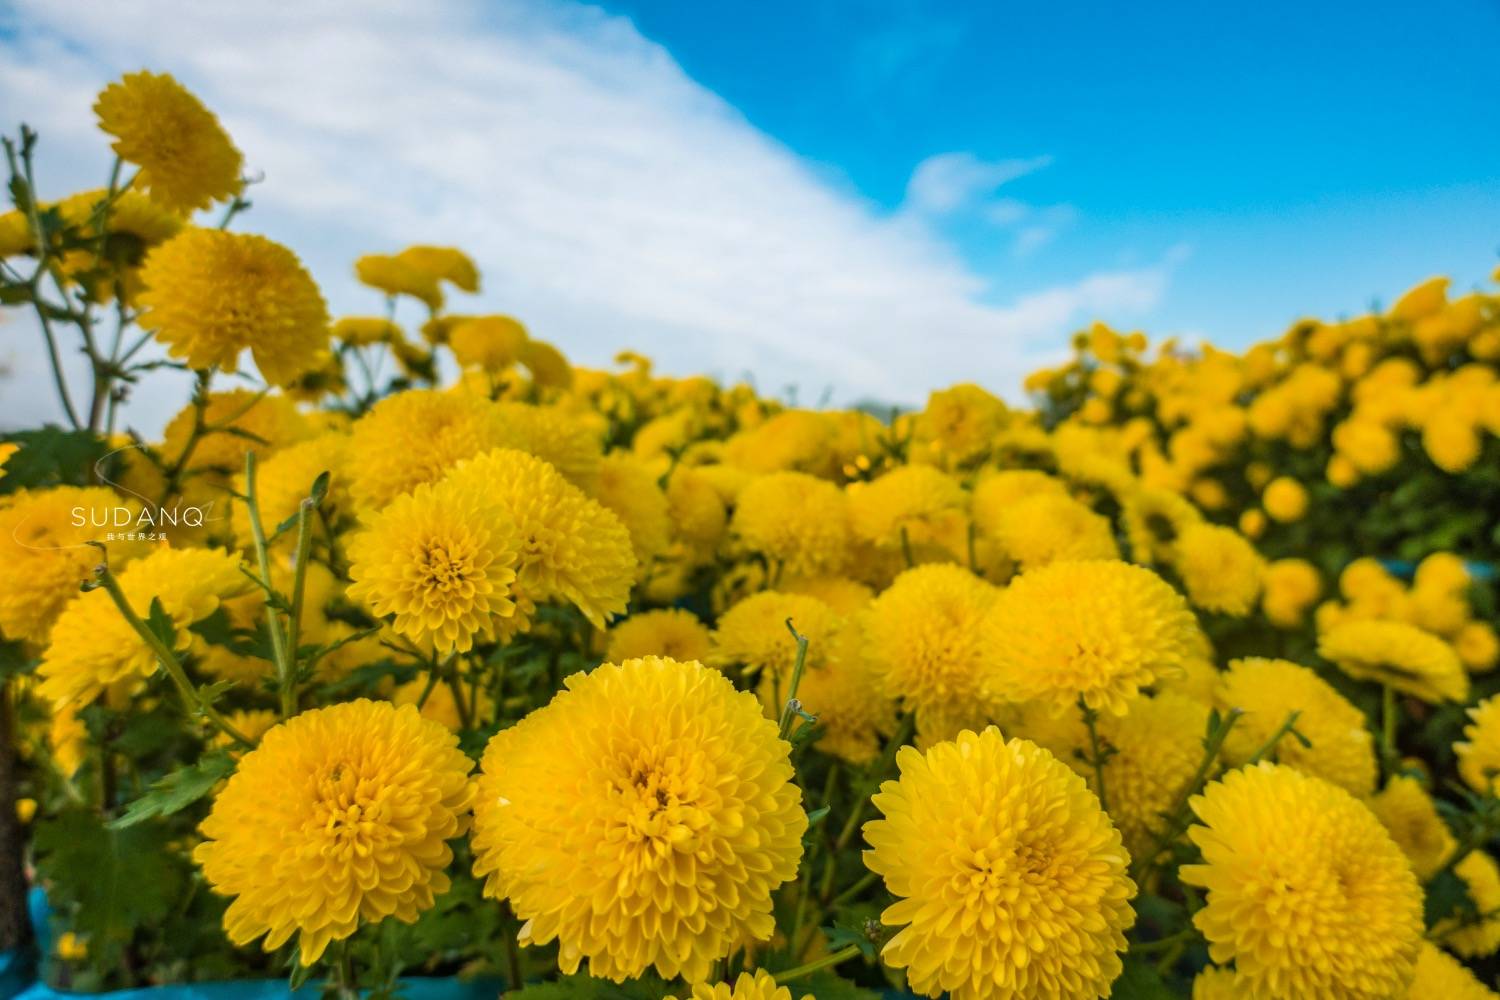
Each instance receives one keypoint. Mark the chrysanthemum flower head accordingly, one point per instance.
(842, 691)
(799, 521)
(92, 646)
(1400, 655)
(961, 422)
(210, 295)
(186, 159)
(924, 642)
(1047, 527)
(340, 815)
(44, 536)
(442, 560)
(1477, 936)
(491, 343)
(914, 502)
(571, 547)
(284, 479)
(1291, 587)
(1441, 975)
(1479, 751)
(627, 486)
(1010, 880)
(674, 633)
(416, 437)
(1410, 816)
(1306, 892)
(1285, 499)
(1267, 692)
(641, 819)
(1215, 984)
(570, 445)
(1154, 519)
(390, 274)
(758, 986)
(1096, 630)
(445, 264)
(1220, 569)
(243, 421)
(1156, 747)
(753, 634)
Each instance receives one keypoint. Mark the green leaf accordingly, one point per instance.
(827, 985)
(14, 660)
(1447, 894)
(178, 790)
(161, 625)
(1140, 981)
(51, 456)
(110, 882)
(319, 488)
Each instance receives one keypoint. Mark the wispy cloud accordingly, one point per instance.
(961, 185)
(610, 200)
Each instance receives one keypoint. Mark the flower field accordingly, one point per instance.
(412, 649)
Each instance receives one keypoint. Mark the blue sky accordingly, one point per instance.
(871, 198)
(1313, 156)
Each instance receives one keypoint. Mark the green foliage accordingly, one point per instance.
(52, 456)
(178, 789)
(109, 882)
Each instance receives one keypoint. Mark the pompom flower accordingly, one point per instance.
(1155, 747)
(927, 650)
(1220, 569)
(93, 647)
(1047, 527)
(1441, 975)
(1400, 655)
(1010, 880)
(1097, 630)
(908, 506)
(641, 819)
(1410, 816)
(416, 437)
(1479, 751)
(759, 986)
(674, 633)
(753, 634)
(572, 547)
(1285, 499)
(442, 561)
(187, 161)
(1306, 892)
(44, 548)
(627, 486)
(1342, 749)
(340, 815)
(796, 520)
(210, 295)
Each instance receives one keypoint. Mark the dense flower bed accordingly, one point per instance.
(606, 683)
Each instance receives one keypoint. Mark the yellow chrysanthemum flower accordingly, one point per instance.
(759, 986)
(1411, 818)
(442, 704)
(627, 486)
(492, 343)
(962, 421)
(394, 276)
(1048, 527)
(1098, 630)
(1010, 880)
(1291, 587)
(1285, 499)
(416, 437)
(641, 819)
(1220, 569)
(442, 560)
(363, 331)
(572, 547)
(1155, 749)
(1268, 691)
(284, 479)
(1153, 520)
(753, 634)
(797, 520)
(841, 690)
(187, 161)
(210, 295)
(840, 593)
(1439, 975)
(911, 502)
(445, 264)
(925, 645)
(92, 646)
(243, 420)
(1401, 655)
(554, 436)
(1479, 751)
(1306, 892)
(340, 816)
(1478, 936)
(44, 548)
(674, 633)
(1215, 984)
(997, 491)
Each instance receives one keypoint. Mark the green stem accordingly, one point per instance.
(299, 588)
(1388, 723)
(867, 880)
(790, 709)
(818, 965)
(1269, 746)
(192, 698)
(285, 668)
(1096, 752)
(1177, 816)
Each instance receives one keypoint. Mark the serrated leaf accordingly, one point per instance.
(1447, 895)
(178, 789)
(161, 625)
(110, 881)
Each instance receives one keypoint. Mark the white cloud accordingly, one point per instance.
(609, 199)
